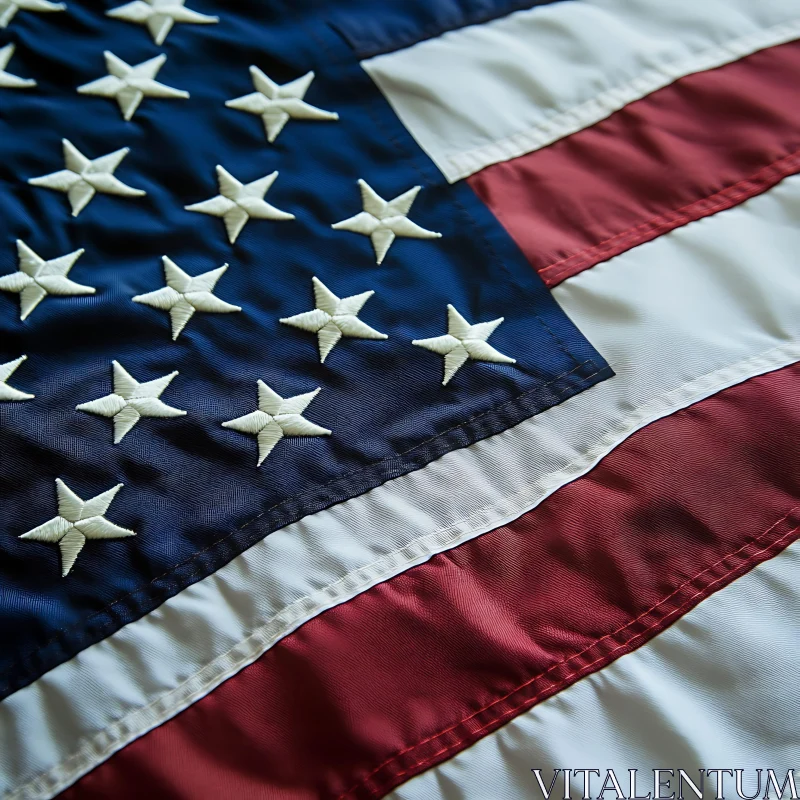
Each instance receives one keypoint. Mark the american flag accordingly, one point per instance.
(397, 397)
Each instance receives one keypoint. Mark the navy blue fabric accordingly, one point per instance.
(372, 28)
(192, 490)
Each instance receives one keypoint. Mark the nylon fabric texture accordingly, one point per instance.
(398, 613)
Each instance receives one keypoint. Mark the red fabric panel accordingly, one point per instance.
(705, 143)
(412, 671)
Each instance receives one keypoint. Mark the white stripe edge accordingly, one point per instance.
(603, 105)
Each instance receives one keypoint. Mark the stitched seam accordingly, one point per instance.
(584, 114)
(495, 409)
(495, 257)
(575, 656)
(685, 606)
(212, 545)
(763, 178)
(632, 423)
(772, 169)
(529, 701)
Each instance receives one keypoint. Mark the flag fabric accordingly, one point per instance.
(396, 397)
(238, 400)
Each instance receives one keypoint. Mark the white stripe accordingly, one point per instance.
(716, 690)
(492, 92)
(679, 318)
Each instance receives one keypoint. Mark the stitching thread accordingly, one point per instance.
(277, 103)
(593, 645)
(79, 178)
(758, 182)
(129, 84)
(675, 612)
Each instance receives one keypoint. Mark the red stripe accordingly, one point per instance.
(417, 668)
(703, 144)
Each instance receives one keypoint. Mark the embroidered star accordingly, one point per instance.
(7, 80)
(238, 202)
(183, 295)
(383, 221)
(84, 177)
(276, 417)
(276, 104)
(159, 16)
(76, 522)
(463, 342)
(9, 8)
(9, 392)
(38, 278)
(129, 85)
(333, 318)
(131, 400)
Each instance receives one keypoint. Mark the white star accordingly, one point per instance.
(333, 318)
(183, 295)
(383, 221)
(131, 400)
(84, 177)
(9, 392)
(7, 80)
(76, 522)
(38, 278)
(8, 8)
(276, 417)
(463, 342)
(159, 16)
(129, 85)
(238, 202)
(276, 104)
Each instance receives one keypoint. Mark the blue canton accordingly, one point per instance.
(259, 286)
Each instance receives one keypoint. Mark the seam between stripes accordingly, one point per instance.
(575, 118)
(760, 181)
(686, 606)
(702, 590)
(107, 741)
(677, 611)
